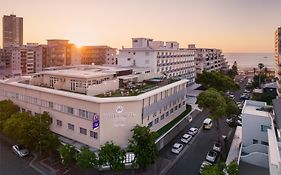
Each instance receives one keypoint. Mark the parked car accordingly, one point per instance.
(217, 147)
(203, 165)
(231, 96)
(193, 131)
(189, 119)
(207, 123)
(186, 138)
(20, 151)
(177, 148)
(212, 156)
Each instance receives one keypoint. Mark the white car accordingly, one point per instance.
(186, 138)
(177, 148)
(217, 147)
(20, 151)
(193, 131)
(212, 156)
(203, 165)
(189, 119)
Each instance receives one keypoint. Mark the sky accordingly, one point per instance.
(231, 25)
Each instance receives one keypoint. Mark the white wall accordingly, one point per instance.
(251, 128)
(110, 85)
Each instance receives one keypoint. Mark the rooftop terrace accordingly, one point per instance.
(138, 88)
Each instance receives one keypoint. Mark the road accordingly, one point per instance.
(11, 164)
(191, 160)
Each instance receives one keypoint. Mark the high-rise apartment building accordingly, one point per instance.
(277, 56)
(208, 59)
(59, 53)
(12, 30)
(165, 58)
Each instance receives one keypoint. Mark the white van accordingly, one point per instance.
(207, 124)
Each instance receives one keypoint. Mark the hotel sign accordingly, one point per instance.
(96, 122)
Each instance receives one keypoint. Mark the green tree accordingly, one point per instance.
(231, 109)
(31, 131)
(143, 146)
(86, 159)
(260, 65)
(216, 80)
(211, 170)
(67, 153)
(233, 71)
(232, 168)
(113, 155)
(212, 101)
(7, 108)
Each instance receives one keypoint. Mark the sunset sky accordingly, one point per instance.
(232, 25)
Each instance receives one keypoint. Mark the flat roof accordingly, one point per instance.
(92, 98)
(252, 107)
(78, 73)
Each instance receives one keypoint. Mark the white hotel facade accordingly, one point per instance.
(81, 118)
(166, 58)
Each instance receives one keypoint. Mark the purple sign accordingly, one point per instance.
(96, 122)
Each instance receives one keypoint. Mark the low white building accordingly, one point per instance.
(166, 58)
(260, 149)
(89, 119)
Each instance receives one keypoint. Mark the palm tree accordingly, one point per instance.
(254, 69)
(260, 65)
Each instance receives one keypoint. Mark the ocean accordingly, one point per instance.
(249, 60)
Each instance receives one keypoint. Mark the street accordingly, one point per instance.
(11, 164)
(191, 160)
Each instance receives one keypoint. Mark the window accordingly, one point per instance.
(162, 116)
(172, 110)
(255, 141)
(150, 124)
(156, 121)
(69, 110)
(71, 126)
(59, 122)
(94, 134)
(83, 131)
(264, 128)
(167, 114)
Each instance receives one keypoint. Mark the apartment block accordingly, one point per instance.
(208, 59)
(277, 54)
(12, 30)
(58, 53)
(165, 58)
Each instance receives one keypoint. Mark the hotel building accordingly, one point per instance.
(90, 105)
(165, 58)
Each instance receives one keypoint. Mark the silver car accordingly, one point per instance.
(20, 151)
(177, 148)
(193, 131)
(211, 156)
(186, 138)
